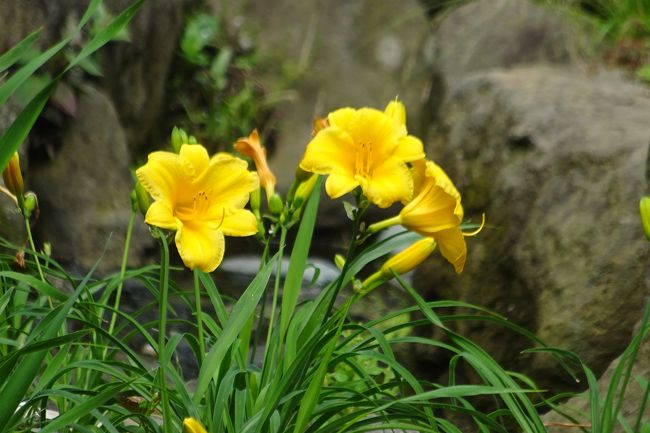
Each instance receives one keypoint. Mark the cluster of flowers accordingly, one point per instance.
(202, 198)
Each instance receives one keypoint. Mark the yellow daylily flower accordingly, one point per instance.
(367, 148)
(191, 425)
(436, 211)
(250, 146)
(202, 198)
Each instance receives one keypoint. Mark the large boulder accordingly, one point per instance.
(556, 159)
(488, 34)
(84, 190)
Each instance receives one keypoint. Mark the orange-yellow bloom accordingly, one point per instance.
(202, 198)
(191, 425)
(250, 146)
(367, 148)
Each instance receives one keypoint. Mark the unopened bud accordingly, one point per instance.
(142, 201)
(644, 207)
(339, 261)
(255, 201)
(30, 204)
(47, 249)
(13, 177)
(191, 425)
(179, 138)
(304, 190)
(275, 204)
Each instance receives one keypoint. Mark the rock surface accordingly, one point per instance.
(556, 159)
(84, 191)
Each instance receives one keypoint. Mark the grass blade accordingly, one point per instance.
(237, 320)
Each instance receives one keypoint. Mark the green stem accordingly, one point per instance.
(362, 207)
(33, 247)
(162, 331)
(276, 289)
(199, 316)
(260, 319)
(125, 257)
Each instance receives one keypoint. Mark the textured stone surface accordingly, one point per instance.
(488, 34)
(136, 72)
(84, 190)
(556, 159)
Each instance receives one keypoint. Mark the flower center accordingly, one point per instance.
(363, 159)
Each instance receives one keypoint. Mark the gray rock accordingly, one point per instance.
(84, 191)
(556, 159)
(488, 34)
(137, 71)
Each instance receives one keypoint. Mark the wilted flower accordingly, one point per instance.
(367, 148)
(202, 198)
(13, 177)
(250, 146)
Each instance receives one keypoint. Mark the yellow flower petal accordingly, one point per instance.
(191, 425)
(195, 158)
(330, 150)
(396, 110)
(338, 184)
(161, 214)
(343, 118)
(229, 182)
(453, 247)
(409, 149)
(390, 182)
(200, 245)
(161, 175)
(239, 223)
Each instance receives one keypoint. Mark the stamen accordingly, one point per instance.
(478, 230)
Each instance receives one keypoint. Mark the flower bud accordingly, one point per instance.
(13, 177)
(304, 190)
(644, 207)
(339, 261)
(30, 204)
(255, 201)
(400, 263)
(141, 199)
(179, 138)
(411, 257)
(275, 204)
(191, 425)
